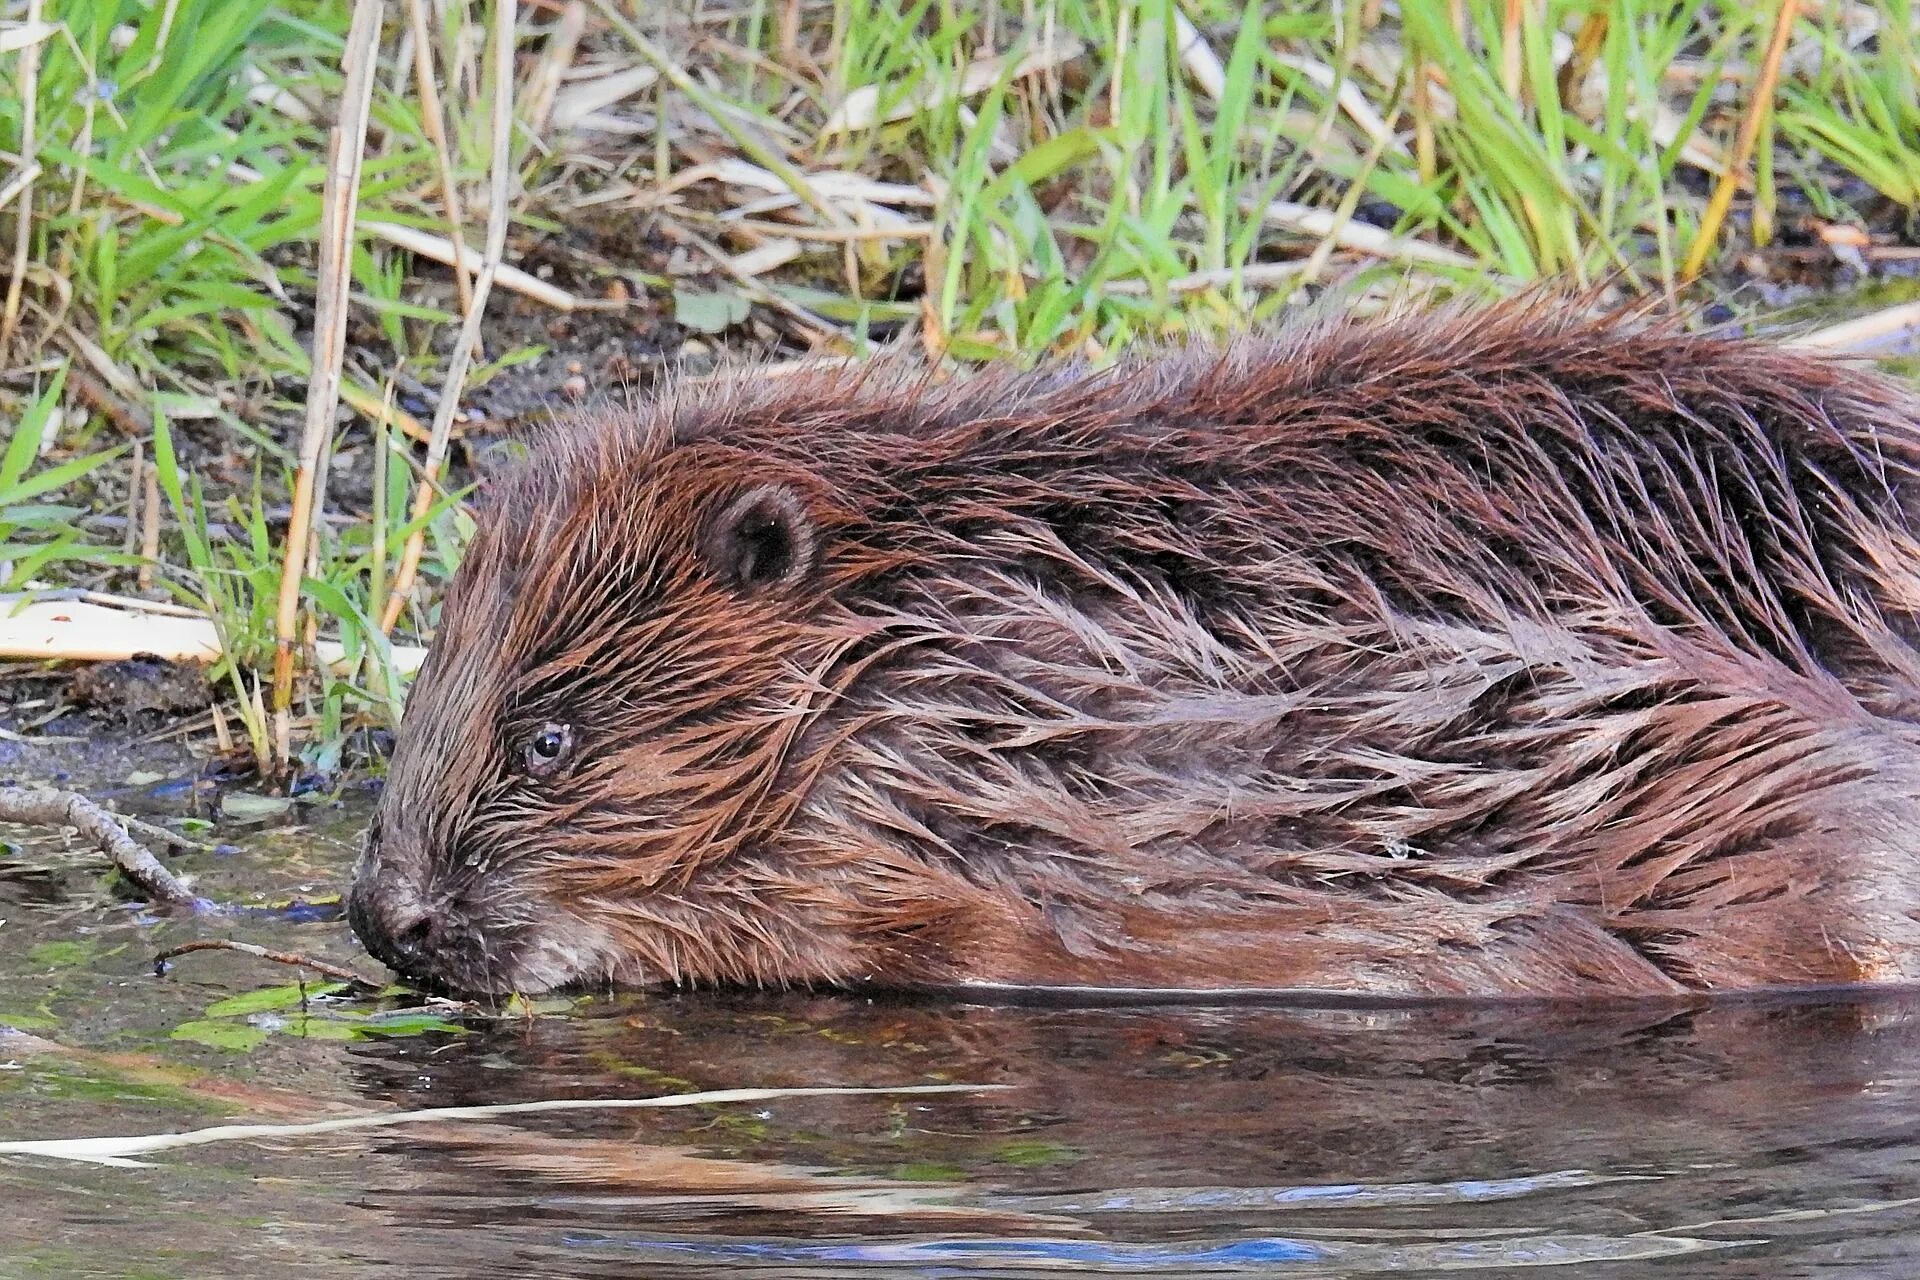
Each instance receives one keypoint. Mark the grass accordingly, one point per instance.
(982, 179)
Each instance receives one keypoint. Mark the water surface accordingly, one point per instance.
(1756, 1139)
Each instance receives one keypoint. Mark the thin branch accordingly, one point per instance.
(325, 968)
(434, 120)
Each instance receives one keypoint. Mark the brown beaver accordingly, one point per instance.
(1509, 652)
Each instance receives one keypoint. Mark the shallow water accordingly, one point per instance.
(1729, 1140)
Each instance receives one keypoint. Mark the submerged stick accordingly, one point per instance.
(43, 806)
(119, 1151)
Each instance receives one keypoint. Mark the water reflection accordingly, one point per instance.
(1179, 1141)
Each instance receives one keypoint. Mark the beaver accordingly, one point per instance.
(1515, 651)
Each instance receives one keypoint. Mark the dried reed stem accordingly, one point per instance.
(23, 214)
(346, 147)
(1758, 109)
(434, 120)
(500, 192)
(676, 75)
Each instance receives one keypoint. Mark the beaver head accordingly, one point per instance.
(1486, 653)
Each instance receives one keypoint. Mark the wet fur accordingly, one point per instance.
(1482, 653)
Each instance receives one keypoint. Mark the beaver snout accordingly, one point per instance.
(393, 921)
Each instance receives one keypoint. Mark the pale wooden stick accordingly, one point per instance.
(441, 249)
(461, 357)
(121, 1150)
(346, 147)
(1864, 331)
(81, 630)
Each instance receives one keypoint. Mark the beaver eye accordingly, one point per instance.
(548, 748)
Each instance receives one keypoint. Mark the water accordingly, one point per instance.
(1728, 1140)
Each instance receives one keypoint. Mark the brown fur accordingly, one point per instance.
(1474, 653)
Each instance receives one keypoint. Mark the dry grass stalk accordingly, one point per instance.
(1258, 275)
(1198, 57)
(365, 403)
(674, 74)
(433, 119)
(23, 215)
(1758, 109)
(543, 82)
(580, 104)
(1352, 100)
(817, 329)
(861, 108)
(1323, 224)
(149, 525)
(346, 148)
(500, 196)
(22, 180)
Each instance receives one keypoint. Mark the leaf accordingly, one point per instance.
(708, 312)
(270, 998)
(245, 805)
(236, 1037)
(410, 1023)
(62, 955)
(312, 1028)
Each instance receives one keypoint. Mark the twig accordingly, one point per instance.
(23, 215)
(130, 419)
(346, 148)
(499, 198)
(1757, 111)
(293, 959)
(41, 806)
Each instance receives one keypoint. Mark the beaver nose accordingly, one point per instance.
(393, 922)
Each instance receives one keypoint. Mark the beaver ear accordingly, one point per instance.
(763, 538)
